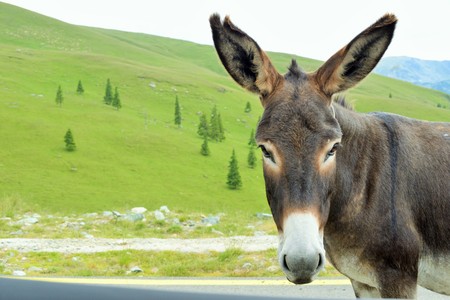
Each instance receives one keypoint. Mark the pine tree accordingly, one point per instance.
(251, 158)
(107, 99)
(216, 131)
(116, 100)
(248, 107)
(203, 127)
(234, 178)
(214, 125)
(221, 136)
(205, 148)
(177, 112)
(59, 97)
(68, 139)
(252, 141)
(80, 89)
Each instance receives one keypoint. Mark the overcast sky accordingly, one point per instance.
(314, 28)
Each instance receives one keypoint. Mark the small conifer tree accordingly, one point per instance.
(70, 143)
(116, 100)
(203, 126)
(80, 89)
(177, 112)
(216, 131)
(214, 125)
(221, 136)
(59, 97)
(252, 141)
(234, 178)
(248, 107)
(251, 158)
(108, 98)
(205, 148)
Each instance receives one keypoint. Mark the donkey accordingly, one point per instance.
(370, 190)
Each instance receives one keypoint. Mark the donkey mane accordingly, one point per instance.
(342, 101)
(295, 72)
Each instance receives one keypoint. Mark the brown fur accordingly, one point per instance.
(383, 199)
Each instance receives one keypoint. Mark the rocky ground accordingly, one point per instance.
(91, 245)
(25, 237)
(135, 223)
(93, 232)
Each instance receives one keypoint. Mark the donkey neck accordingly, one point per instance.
(355, 162)
(354, 126)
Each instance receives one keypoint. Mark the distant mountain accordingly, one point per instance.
(428, 73)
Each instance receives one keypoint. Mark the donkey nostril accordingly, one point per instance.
(319, 265)
(285, 265)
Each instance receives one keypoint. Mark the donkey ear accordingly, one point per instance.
(243, 58)
(355, 61)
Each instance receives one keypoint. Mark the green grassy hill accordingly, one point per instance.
(136, 156)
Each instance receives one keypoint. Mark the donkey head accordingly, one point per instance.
(299, 134)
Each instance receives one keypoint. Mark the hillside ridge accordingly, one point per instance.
(137, 156)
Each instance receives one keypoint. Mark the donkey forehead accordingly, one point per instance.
(297, 112)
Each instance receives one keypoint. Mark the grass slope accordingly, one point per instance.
(136, 156)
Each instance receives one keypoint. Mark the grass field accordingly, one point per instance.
(164, 263)
(136, 156)
(229, 263)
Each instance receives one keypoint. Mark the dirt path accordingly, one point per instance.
(246, 243)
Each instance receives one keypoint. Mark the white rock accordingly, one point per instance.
(34, 269)
(211, 220)
(165, 209)
(90, 215)
(263, 216)
(133, 217)
(138, 210)
(273, 269)
(247, 266)
(217, 232)
(18, 232)
(87, 235)
(19, 273)
(107, 213)
(135, 269)
(159, 215)
(28, 221)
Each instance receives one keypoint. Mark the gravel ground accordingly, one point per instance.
(91, 245)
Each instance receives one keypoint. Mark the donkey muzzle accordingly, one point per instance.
(301, 253)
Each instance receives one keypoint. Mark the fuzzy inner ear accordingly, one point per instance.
(243, 58)
(356, 60)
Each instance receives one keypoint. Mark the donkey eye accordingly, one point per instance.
(332, 151)
(266, 153)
